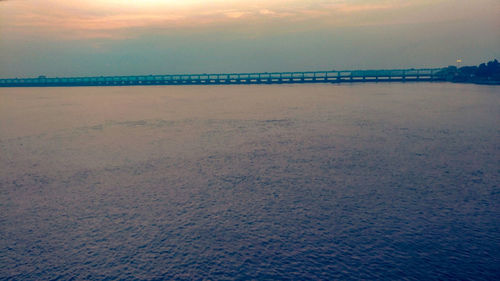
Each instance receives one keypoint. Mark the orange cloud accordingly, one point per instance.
(116, 18)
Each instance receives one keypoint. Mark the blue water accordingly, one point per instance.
(303, 182)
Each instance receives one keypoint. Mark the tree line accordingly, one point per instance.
(483, 73)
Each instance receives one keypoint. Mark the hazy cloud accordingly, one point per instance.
(110, 18)
(90, 37)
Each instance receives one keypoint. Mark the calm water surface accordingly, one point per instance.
(365, 181)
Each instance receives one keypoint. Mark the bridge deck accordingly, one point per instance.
(430, 74)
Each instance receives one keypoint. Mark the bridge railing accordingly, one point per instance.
(265, 77)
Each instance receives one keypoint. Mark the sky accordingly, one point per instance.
(133, 37)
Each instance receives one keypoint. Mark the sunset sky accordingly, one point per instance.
(121, 37)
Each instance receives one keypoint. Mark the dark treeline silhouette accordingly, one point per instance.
(485, 73)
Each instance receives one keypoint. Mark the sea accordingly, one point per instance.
(367, 181)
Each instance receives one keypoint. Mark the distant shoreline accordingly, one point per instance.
(492, 83)
(484, 74)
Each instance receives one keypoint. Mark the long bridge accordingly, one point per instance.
(394, 75)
